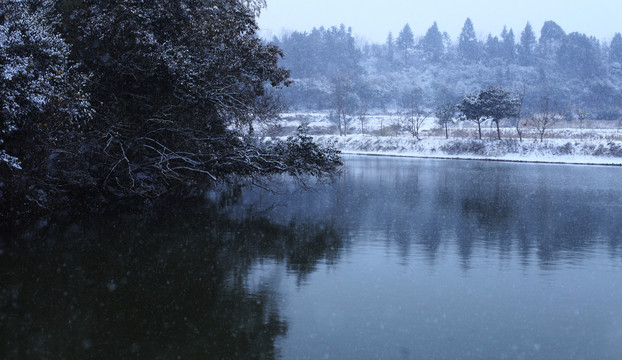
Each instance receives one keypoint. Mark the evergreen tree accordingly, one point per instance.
(432, 43)
(615, 49)
(468, 47)
(527, 47)
(470, 110)
(390, 50)
(579, 57)
(508, 45)
(552, 37)
(496, 104)
(405, 43)
(493, 47)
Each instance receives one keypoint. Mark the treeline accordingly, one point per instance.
(575, 71)
(113, 99)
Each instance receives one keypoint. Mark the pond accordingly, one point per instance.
(398, 259)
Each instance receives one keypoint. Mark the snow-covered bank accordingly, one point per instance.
(549, 151)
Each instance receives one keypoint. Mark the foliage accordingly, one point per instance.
(42, 101)
(492, 103)
(527, 48)
(496, 104)
(176, 89)
(302, 156)
(615, 50)
(322, 52)
(405, 43)
(471, 110)
(432, 44)
(552, 37)
(579, 56)
(468, 46)
(557, 64)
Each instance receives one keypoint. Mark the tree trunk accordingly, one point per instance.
(479, 130)
(498, 131)
(446, 133)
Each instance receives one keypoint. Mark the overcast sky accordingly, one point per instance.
(373, 20)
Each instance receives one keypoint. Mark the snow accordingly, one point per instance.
(597, 143)
(548, 151)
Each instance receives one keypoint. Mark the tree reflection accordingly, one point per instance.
(543, 213)
(164, 285)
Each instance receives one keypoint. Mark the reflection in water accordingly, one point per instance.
(554, 211)
(165, 285)
(399, 258)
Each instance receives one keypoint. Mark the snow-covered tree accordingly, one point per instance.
(171, 79)
(547, 115)
(509, 45)
(579, 56)
(527, 46)
(470, 110)
(41, 93)
(492, 103)
(390, 50)
(432, 44)
(405, 43)
(414, 114)
(496, 104)
(445, 115)
(492, 48)
(468, 46)
(615, 49)
(552, 37)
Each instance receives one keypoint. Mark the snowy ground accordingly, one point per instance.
(596, 142)
(549, 151)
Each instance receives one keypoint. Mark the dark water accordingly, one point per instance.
(400, 259)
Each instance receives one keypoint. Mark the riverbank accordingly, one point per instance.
(558, 151)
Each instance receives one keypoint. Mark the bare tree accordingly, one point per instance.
(445, 114)
(582, 115)
(362, 118)
(414, 114)
(345, 101)
(521, 91)
(547, 116)
(395, 126)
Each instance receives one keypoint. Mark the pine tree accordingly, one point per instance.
(615, 49)
(432, 43)
(493, 47)
(579, 57)
(508, 45)
(468, 46)
(405, 42)
(390, 50)
(527, 47)
(552, 37)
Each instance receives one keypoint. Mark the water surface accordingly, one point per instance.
(399, 259)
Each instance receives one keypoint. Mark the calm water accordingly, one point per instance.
(399, 259)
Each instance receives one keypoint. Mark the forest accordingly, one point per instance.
(332, 69)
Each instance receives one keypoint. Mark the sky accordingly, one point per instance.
(372, 20)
